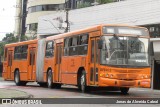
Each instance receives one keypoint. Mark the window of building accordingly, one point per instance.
(50, 7)
(33, 26)
(33, 9)
(38, 8)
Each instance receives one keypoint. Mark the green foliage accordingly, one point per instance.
(104, 1)
(10, 38)
(88, 3)
(2, 44)
(82, 5)
(24, 38)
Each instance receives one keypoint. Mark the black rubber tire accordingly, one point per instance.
(124, 90)
(50, 79)
(17, 78)
(82, 83)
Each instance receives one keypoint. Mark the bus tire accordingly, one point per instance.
(50, 79)
(17, 78)
(124, 90)
(82, 82)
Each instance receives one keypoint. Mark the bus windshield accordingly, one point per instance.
(121, 50)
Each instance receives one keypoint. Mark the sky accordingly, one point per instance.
(7, 17)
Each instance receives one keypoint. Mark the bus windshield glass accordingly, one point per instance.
(125, 30)
(121, 50)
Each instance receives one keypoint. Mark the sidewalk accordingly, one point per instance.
(1, 79)
(12, 93)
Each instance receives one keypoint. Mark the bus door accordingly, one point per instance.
(94, 61)
(31, 66)
(58, 62)
(9, 66)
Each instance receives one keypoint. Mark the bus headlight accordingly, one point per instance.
(101, 75)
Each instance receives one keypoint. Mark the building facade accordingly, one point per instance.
(131, 12)
(37, 8)
(28, 12)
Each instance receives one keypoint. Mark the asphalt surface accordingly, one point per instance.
(72, 92)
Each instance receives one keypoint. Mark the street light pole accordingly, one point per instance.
(67, 21)
(67, 16)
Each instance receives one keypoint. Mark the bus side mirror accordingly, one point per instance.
(100, 44)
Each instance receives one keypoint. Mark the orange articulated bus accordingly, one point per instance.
(19, 62)
(99, 56)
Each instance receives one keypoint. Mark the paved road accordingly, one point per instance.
(72, 92)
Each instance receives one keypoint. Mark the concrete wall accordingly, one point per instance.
(33, 17)
(18, 18)
(132, 12)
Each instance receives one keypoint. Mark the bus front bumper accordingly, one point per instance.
(145, 83)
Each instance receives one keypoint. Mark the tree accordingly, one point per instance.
(83, 5)
(10, 38)
(104, 1)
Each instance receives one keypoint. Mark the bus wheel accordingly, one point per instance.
(17, 78)
(82, 82)
(124, 90)
(50, 79)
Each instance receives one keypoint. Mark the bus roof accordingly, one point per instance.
(21, 43)
(89, 29)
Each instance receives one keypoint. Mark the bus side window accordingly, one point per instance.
(49, 49)
(84, 39)
(73, 48)
(66, 46)
(83, 48)
(75, 41)
(24, 52)
(17, 52)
